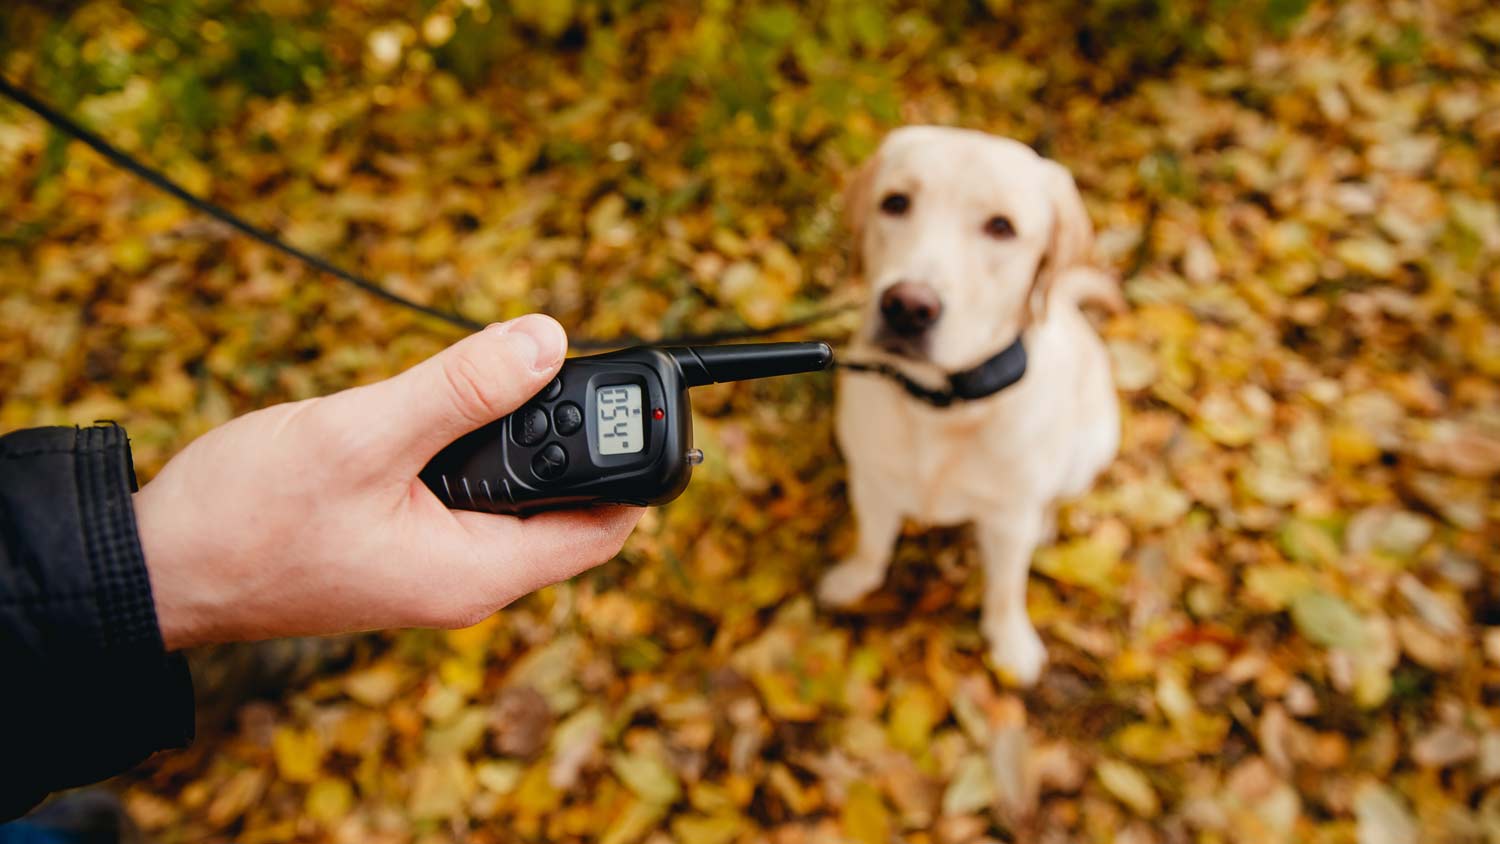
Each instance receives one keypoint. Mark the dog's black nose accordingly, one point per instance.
(910, 307)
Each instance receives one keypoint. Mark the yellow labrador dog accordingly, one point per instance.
(968, 242)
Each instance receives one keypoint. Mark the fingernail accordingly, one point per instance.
(548, 342)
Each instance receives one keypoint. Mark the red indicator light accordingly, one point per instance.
(658, 414)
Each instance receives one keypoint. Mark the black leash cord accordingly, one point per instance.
(993, 375)
(161, 181)
(936, 398)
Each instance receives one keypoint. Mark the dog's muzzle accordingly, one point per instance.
(910, 308)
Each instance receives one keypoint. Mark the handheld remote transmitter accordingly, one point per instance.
(610, 428)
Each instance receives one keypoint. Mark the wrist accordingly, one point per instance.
(168, 566)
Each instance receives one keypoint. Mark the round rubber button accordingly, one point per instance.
(568, 417)
(549, 463)
(529, 425)
(553, 389)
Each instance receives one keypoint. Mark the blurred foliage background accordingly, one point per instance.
(1276, 619)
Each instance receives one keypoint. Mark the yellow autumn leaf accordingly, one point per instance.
(298, 753)
(709, 829)
(329, 800)
(915, 710)
(1087, 562)
(1129, 786)
(865, 818)
(638, 819)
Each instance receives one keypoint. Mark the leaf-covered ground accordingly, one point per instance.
(1276, 619)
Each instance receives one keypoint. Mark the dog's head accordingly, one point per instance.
(960, 235)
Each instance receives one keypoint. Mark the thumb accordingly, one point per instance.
(467, 385)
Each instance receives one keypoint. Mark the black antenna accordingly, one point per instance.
(717, 364)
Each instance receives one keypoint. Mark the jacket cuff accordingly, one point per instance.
(127, 611)
(96, 690)
(105, 475)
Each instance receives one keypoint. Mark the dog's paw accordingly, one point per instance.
(1017, 652)
(848, 582)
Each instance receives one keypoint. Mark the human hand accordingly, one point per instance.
(309, 518)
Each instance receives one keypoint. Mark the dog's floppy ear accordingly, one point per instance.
(857, 198)
(1071, 240)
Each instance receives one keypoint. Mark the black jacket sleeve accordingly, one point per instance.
(86, 686)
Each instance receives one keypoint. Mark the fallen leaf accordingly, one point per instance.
(440, 787)
(865, 818)
(638, 819)
(520, 721)
(238, 794)
(1327, 620)
(329, 800)
(648, 776)
(1383, 818)
(299, 754)
(1129, 786)
(915, 710)
(971, 788)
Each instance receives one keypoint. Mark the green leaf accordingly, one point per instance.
(648, 776)
(552, 17)
(1085, 562)
(1328, 621)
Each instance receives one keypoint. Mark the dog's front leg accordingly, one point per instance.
(1006, 544)
(879, 523)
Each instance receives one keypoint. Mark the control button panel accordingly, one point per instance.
(529, 426)
(550, 462)
(568, 418)
(546, 418)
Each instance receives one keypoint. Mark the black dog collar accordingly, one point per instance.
(1001, 370)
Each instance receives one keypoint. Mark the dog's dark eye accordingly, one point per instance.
(999, 227)
(895, 204)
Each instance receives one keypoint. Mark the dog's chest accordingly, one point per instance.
(938, 466)
(953, 472)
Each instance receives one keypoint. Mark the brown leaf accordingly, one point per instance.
(520, 721)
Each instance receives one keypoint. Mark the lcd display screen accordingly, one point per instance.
(619, 428)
